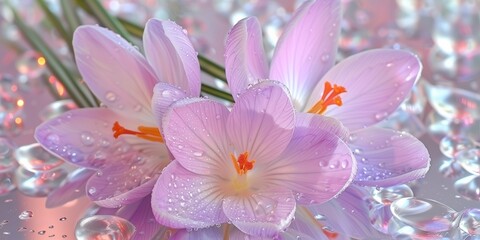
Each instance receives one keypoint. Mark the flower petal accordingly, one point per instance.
(182, 199)
(348, 214)
(114, 70)
(376, 81)
(307, 48)
(165, 95)
(122, 184)
(225, 231)
(262, 121)
(264, 213)
(305, 226)
(195, 135)
(171, 54)
(388, 157)
(328, 124)
(316, 165)
(146, 227)
(72, 188)
(245, 60)
(84, 137)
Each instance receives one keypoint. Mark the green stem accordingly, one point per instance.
(55, 21)
(53, 63)
(217, 93)
(71, 15)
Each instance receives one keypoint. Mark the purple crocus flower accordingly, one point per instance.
(250, 166)
(360, 91)
(129, 159)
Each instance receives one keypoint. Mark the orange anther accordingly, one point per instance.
(148, 133)
(242, 164)
(331, 96)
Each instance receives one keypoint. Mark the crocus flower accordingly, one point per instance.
(122, 141)
(250, 166)
(360, 91)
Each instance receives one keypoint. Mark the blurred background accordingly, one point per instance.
(442, 111)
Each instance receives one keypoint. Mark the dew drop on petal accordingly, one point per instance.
(423, 214)
(104, 227)
(110, 96)
(470, 160)
(87, 138)
(468, 187)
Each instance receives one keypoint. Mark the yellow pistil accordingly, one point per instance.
(148, 133)
(330, 97)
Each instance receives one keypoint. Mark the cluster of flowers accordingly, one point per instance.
(299, 133)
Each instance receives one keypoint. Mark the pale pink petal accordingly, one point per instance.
(388, 157)
(307, 48)
(348, 214)
(123, 184)
(84, 137)
(224, 231)
(316, 166)
(328, 124)
(195, 134)
(171, 55)
(264, 213)
(164, 95)
(72, 188)
(305, 226)
(261, 122)
(114, 70)
(182, 199)
(245, 60)
(146, 227)
(376, 81)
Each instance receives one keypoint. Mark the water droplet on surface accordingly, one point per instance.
(39, 184)
(104, 227)
(389, 194)
(468, 187)
(470, 221)
(7, 160)
(87, 138)
(450, 168)
(25, 215)
(470, 160)
(34, 158)
(55, 109)
(451, 145)
(41, 232)
(197, 154)
(62, 219)
(110, 96)
(423, 214)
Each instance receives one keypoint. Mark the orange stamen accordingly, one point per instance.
(147, 133)
(330, 97)
(242, 165)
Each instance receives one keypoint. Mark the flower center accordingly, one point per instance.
(242, 164)
(330, 97)
(147, 133)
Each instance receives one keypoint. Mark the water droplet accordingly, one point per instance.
(110, 96)
(39, 184)
(87, 138)
(137, 108)
(423, 214)
(468, 187)
(25, 215)
(41, 232)
(325, 57)
(104, 227)
(470, 221)
(451, 145)
(389, 194)
(470, 160)
(62, 219)
(34, 158)
(197, 154)
(92, 190)
(7, 160)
